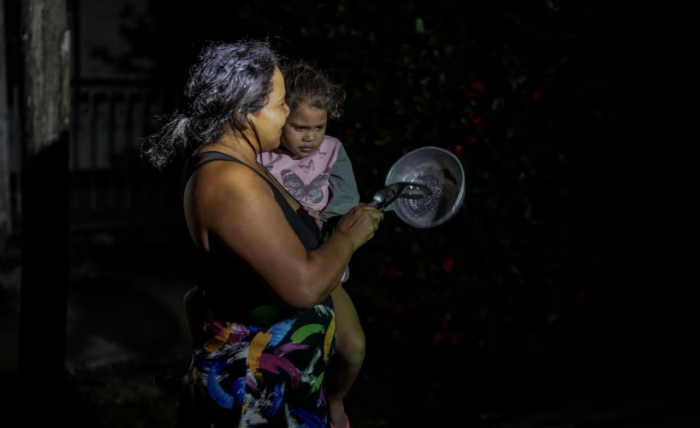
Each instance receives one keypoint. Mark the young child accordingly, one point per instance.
(315, 169)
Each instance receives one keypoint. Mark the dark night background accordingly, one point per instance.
(554, 298)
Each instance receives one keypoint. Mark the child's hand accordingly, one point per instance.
(315, 216)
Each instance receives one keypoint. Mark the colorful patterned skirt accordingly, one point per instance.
(246, 376)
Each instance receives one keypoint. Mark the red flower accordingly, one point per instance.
(397, 308)
(463, 277)
(455, 339)
(553, 266)
(554, 333)
(458, 151)
(471, 114)
(446, 321)
(479, 128)
(470, 139)
(478, 121)
(478, 85)
(471, 94)
(537, 95)
(394, 273)
(448, 265)
(350, 131)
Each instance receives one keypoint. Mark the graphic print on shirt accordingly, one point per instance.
(312, 192)
(309, 167)
(320, 153)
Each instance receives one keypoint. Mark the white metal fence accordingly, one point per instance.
(110, 183)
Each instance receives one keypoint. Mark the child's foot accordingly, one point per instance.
(169, 384)
(336, 411)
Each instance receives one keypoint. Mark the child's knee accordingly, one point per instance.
(353, 347)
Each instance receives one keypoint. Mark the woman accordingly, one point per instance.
(266, 278)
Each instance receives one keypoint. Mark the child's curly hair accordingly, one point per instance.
(307, 85)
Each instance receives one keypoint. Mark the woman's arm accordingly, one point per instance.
(242, 211)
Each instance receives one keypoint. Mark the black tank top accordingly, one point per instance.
(231, 287)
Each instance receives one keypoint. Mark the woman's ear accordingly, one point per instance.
(246, 120)
(240, 117)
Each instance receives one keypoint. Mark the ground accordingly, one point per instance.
(125, 325)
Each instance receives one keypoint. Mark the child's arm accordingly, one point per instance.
(343, 188)
(344, 194)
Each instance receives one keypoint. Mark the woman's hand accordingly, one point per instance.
(360, 223)
(315, 216)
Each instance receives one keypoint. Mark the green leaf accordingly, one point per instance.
(419, 26)
(497, 104)
(551, 6)
(416, 248)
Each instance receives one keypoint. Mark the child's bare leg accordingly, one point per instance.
(346, 364)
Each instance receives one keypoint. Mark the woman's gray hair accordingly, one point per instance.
(228, 82)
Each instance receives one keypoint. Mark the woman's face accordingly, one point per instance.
(304, 130)
(271, 119)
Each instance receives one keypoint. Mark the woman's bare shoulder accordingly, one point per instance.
(217, 179)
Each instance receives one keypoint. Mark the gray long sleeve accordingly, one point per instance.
(343, 188)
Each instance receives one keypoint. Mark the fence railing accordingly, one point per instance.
(110, 183)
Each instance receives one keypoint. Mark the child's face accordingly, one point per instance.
(304, 130)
